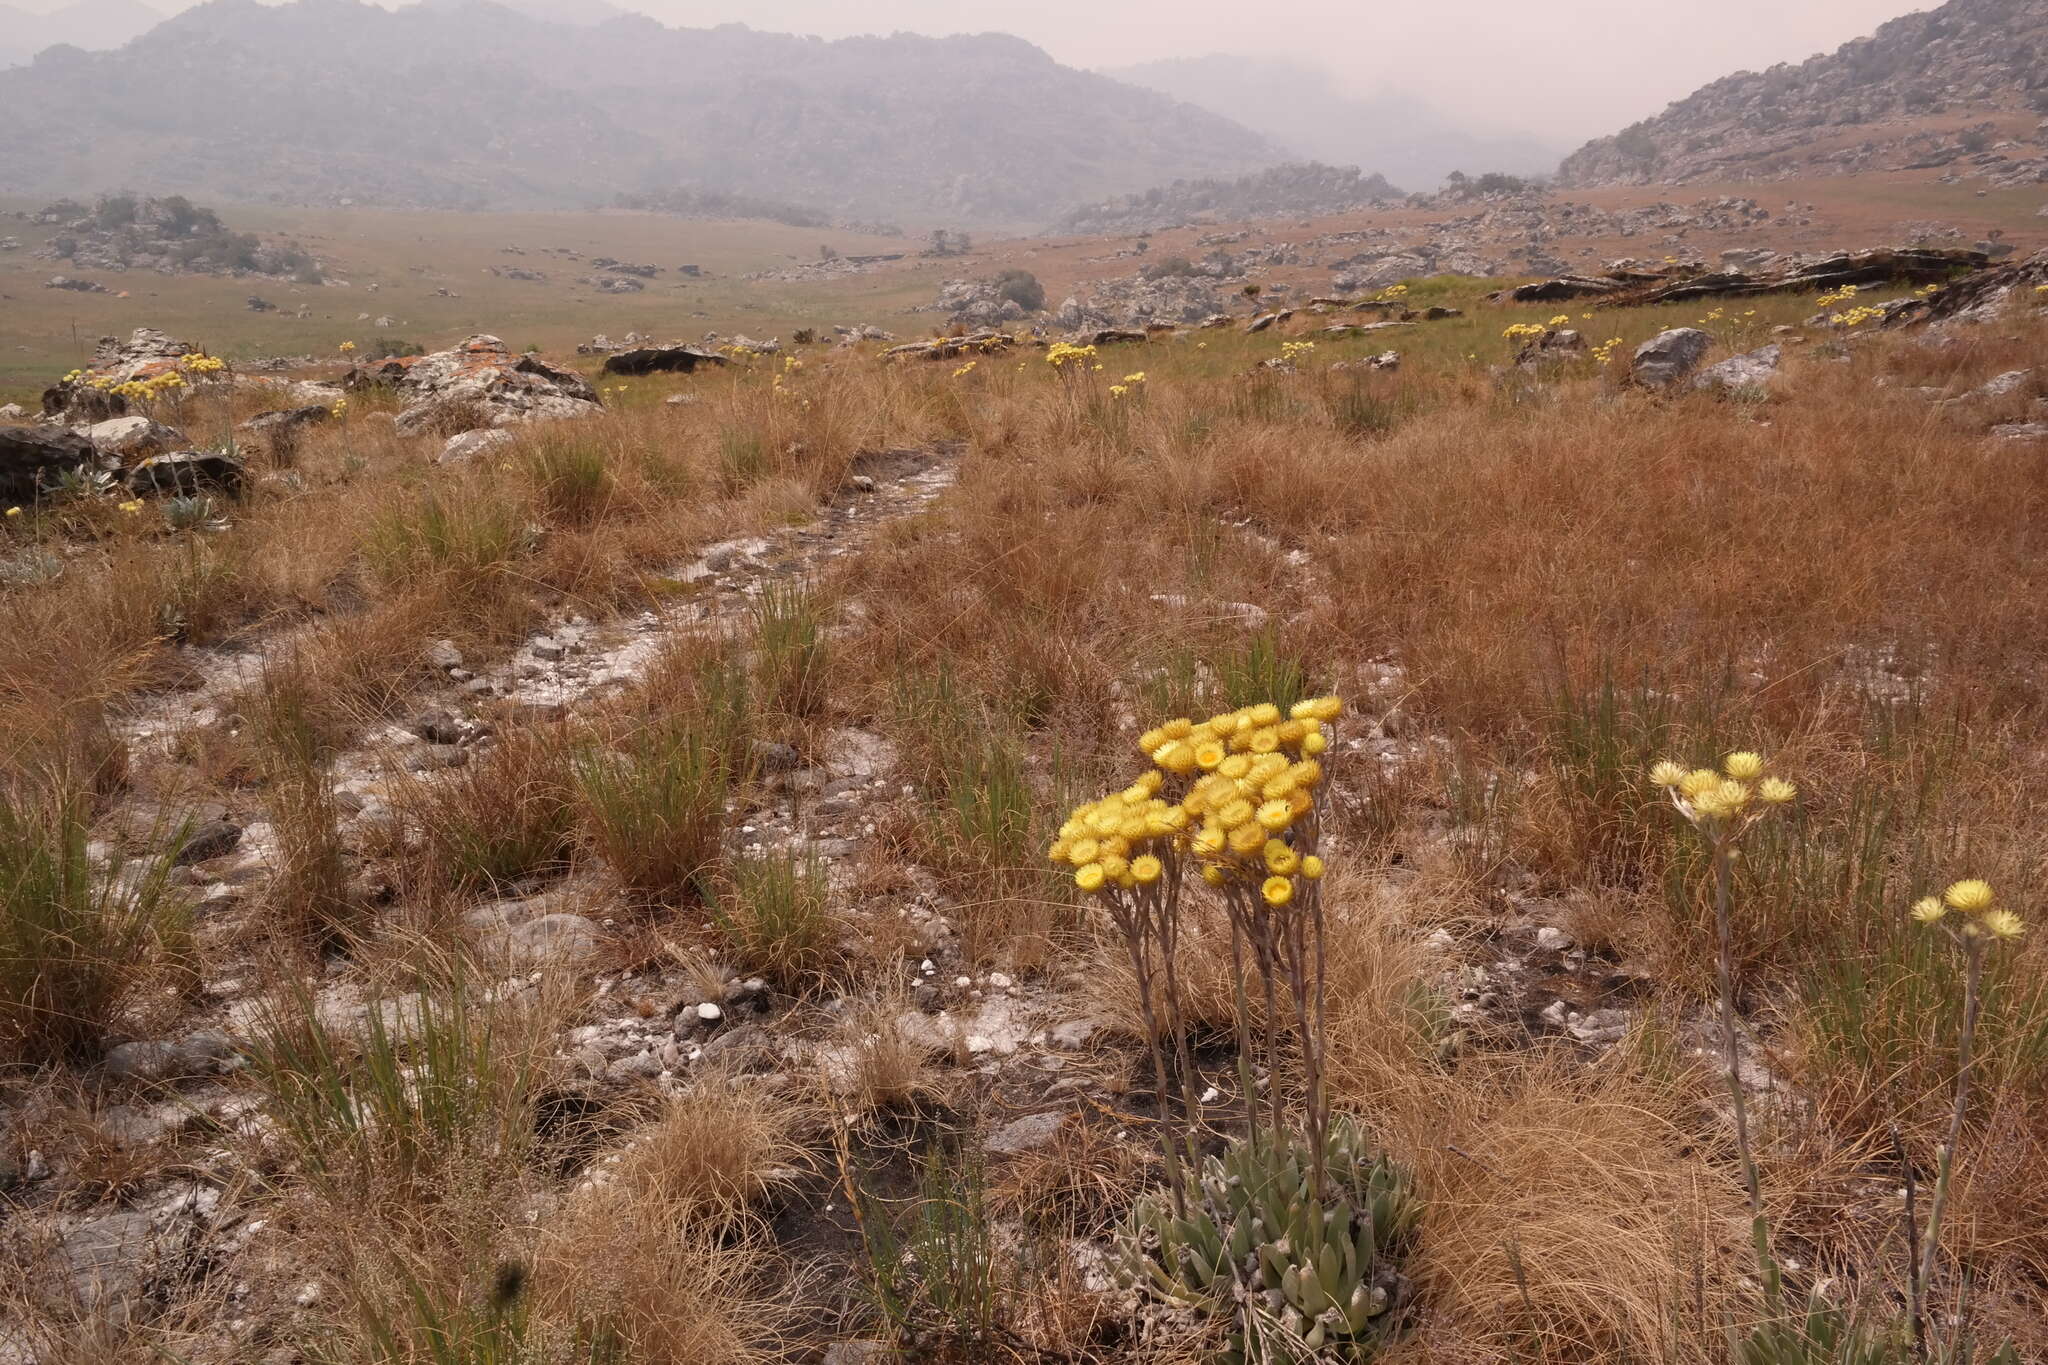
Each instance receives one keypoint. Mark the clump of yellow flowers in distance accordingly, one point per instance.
(346, 347)
(1064, 353)
(965, 370)
(1292, 351)
(1523, 331)
(1605, 350)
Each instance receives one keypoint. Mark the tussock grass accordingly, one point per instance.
(774, 917)
(78, 936)
(654, 809)
(505, 817)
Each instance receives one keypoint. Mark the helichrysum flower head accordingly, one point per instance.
(1744, 766)
(1667, 774)
(1972, 897)
(1277, 891)
(1146, 869)
(1776, 791)
(2003, 924)
(1311, 867)
(1929, 910)
(1090, 876)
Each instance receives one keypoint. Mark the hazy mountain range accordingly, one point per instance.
(91, 24)
(1301, 108)
(467, 103)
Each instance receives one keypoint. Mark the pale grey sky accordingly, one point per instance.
(1562, 70)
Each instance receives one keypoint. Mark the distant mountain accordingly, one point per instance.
(463, 103)
(1301, 108)
(1938, 88)
(90, 24)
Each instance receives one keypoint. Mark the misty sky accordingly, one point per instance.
(1563, 70)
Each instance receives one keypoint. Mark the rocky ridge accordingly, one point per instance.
(1956, 88)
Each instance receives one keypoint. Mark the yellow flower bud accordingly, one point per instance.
(1312, 867)
(1277, 891)
(1776, 791)
(1929, 909)
(1314, 743)
(1744, 766)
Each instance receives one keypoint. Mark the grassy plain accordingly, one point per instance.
(1529, 584)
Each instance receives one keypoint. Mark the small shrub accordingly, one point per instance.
(1022, 288)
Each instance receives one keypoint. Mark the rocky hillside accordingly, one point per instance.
(1281, 192)
(468, 103)
(1960, 86)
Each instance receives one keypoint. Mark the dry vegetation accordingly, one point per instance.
(1527, 587)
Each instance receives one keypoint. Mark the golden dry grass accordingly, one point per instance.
(1542, 585)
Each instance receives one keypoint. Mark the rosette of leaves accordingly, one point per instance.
(1308, 1276)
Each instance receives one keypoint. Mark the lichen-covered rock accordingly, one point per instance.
(1669, 357)
(133, 436)
(482, 384)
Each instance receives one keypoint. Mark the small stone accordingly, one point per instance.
(430, 757)
(210, 840)
(710, 1013)
(999, 981)
(443, 654)
(437, 727)
(547, 647)
(1553, 939)
(1026, 1134)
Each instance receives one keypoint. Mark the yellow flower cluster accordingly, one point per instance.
(346, 347)
(1715, 315)
(1719, 797)
(132, 506)
(1252, 776)
(966, 369)
(1562, 319)
(1842, 295)
(1605, 349)
(1136, 377)
(141, 390)
(202, 364)
(340, 409)
(1524, 331)
(1976, 900)
(1856, 317)
(1291, 351)
(1392, 292)
(1064, 353)
(1119, 390)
